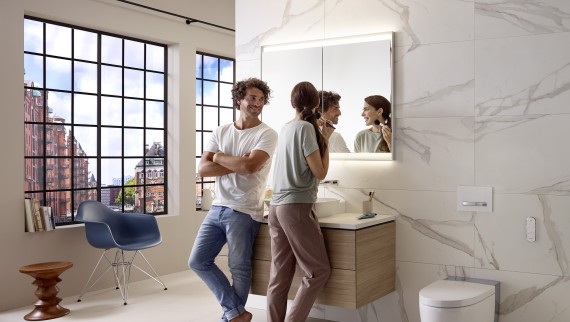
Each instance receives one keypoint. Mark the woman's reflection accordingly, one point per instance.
(377, 114)
(330, 108)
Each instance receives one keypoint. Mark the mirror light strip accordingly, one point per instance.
(329, 42)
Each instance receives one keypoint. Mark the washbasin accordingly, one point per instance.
(325, 207)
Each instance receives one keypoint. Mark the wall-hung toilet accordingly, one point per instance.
(460, 300)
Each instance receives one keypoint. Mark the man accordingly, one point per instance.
(330, 111)
(239, 156)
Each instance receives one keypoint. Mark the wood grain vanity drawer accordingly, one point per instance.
(262, 245)
(362, 262)
(340, 289)
(340, 246)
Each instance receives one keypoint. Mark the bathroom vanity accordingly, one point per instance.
(361, 253)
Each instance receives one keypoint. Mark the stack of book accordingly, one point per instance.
(38, 217)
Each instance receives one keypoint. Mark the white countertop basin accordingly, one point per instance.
(350, 221)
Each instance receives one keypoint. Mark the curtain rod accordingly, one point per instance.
(188, 19)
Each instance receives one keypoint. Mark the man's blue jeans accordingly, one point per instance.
(224, 225)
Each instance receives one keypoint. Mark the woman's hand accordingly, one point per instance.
(327, 131)
(387, 134)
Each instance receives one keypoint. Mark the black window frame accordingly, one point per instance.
(209, 182)
(73, 153)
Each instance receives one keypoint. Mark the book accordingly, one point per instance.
(52, 218)
(30, 227)
(37, 215)
(46, 216)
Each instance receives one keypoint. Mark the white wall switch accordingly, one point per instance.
(470, 198)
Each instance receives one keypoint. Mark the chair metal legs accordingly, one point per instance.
(88, 286)
(122, 271)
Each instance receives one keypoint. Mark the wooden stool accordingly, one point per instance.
(46, 277)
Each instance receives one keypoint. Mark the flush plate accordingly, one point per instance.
(472, 198)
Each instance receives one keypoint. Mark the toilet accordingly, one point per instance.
(459, 299)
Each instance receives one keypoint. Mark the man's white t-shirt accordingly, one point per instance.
(337, 143)
(240, 191)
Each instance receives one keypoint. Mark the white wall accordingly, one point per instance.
(179, 227)
(481, 98)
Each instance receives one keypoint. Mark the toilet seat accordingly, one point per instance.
(454, 293)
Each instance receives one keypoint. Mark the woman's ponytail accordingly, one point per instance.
(305, 98)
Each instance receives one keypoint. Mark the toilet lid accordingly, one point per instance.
(453, 293)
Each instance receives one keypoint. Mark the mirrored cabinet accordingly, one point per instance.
(353, 67)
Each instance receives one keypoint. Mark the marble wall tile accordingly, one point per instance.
(429, 229)
(487, 112)
(434, 80)
(530, 297)
(276, 22)
(415, 22)
(523, 75)
(523, 154)
(430, 154)
(372, 16)
(502, 231)
(510, 18)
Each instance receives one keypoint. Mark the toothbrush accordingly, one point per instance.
(328, 123)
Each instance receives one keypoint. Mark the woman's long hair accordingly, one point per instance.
(380, 102)
(305, 99)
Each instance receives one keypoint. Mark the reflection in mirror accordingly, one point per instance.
(353, 68)
(282, 70)
(330, 113)
(377, 137)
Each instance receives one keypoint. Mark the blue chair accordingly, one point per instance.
(125, 233)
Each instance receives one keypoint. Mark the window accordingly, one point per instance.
(95, 118)
(215, 77)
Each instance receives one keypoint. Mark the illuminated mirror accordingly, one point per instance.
(354, 67)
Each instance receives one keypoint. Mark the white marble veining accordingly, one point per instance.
(276, 22)
(510, 18)
(443, 87)
(535, 161)
(499, 233)
(523, 75)
(416, 22)
(481, 92)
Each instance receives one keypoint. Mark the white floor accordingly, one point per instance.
(186, 300)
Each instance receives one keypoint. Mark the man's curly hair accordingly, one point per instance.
(238, 90)
(328, 99)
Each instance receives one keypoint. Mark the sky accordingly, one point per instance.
(59, 76)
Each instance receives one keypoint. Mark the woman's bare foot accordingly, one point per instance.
(244, 317)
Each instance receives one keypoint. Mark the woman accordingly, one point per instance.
(301, 161)
(377, 114)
